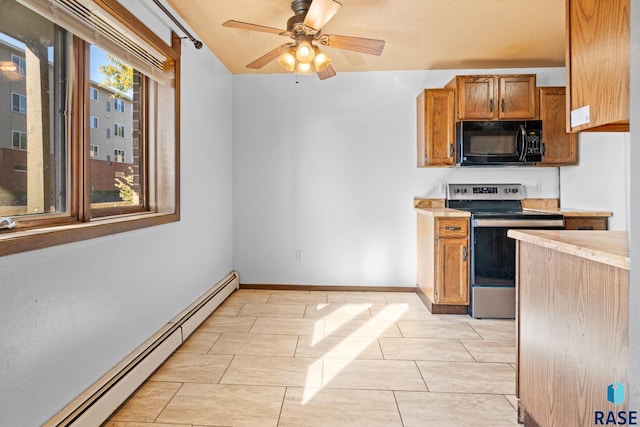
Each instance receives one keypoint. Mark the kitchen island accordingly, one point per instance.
(572, 324)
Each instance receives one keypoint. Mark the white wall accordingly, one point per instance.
(69, 314)
(634, 297)
(600, 181)
(329, 168)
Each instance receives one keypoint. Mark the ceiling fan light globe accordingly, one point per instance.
(303, 68)
(288, 60)
(305, 52)
(321, 61)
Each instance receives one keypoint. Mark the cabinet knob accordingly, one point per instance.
(491, 105)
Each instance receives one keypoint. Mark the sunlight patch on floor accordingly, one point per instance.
(372, 330)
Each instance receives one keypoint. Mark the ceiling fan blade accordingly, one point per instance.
(252, 27)
(320, 12)
(358, 44)
(269, 56)
(326, 73)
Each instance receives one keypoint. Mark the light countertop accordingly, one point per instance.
(607, 247)
(443, 212)
(573, 212)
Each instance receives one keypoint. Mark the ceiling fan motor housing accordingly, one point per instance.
(295, 24)
(300, 6)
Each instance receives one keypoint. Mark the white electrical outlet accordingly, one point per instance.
(537, 186)
(443, 187)
(298, 255)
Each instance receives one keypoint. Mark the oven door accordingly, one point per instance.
(493, 264)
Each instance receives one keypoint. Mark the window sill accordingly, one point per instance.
(27, 240)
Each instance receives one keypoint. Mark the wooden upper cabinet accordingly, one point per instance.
(495, 97)
(597, 65)
(560, 147)
(436, 128)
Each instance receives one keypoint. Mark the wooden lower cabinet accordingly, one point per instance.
(586, 223)
(443, 266)
(572, 328)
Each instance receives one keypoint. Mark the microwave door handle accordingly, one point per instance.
(523, 153)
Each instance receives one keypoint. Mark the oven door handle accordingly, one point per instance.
(520, 223)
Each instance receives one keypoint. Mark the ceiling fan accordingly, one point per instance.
(304, 27)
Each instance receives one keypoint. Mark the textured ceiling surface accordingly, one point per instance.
(419, 34)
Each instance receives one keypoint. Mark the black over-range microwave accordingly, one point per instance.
(490, 143)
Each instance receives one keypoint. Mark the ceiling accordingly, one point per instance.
(419, 34)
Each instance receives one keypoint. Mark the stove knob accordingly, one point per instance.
(464, 190)
(514, 190)
(456, 190)
(507, 190)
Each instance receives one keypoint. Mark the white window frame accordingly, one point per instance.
(94, 150)
(93, 122)
(118, 105)
(93, 94)
(118, 130)
(20, 64)
(22, 137)
(118, 156)
(22, 103)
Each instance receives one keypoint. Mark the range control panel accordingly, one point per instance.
(485, 192)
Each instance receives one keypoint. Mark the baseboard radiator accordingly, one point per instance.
(95, 404)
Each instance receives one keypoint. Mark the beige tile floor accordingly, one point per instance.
(306, 358)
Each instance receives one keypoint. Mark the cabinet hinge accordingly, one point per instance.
(437, 297)
(464, 253)
(436, 242)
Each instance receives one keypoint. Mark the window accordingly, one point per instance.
(108, 106)
(118, 130)
(60, 40)
(19, 140)
(118, 105)
(20, 65)
(118, 156)
(19, 103)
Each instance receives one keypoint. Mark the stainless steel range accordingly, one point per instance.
(495, 208)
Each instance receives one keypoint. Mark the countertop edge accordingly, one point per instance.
(443, 212)
(607, 247)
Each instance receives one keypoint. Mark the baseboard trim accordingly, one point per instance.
(93, 406)
(342, 288)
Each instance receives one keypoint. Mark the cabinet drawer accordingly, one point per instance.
(452, 227)
(575, 223)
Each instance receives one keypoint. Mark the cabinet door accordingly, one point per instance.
(597, 66)
(582, 223)
(476, 97)
(517, 97)
(452, 283)
(436, 128)
(560, 147)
